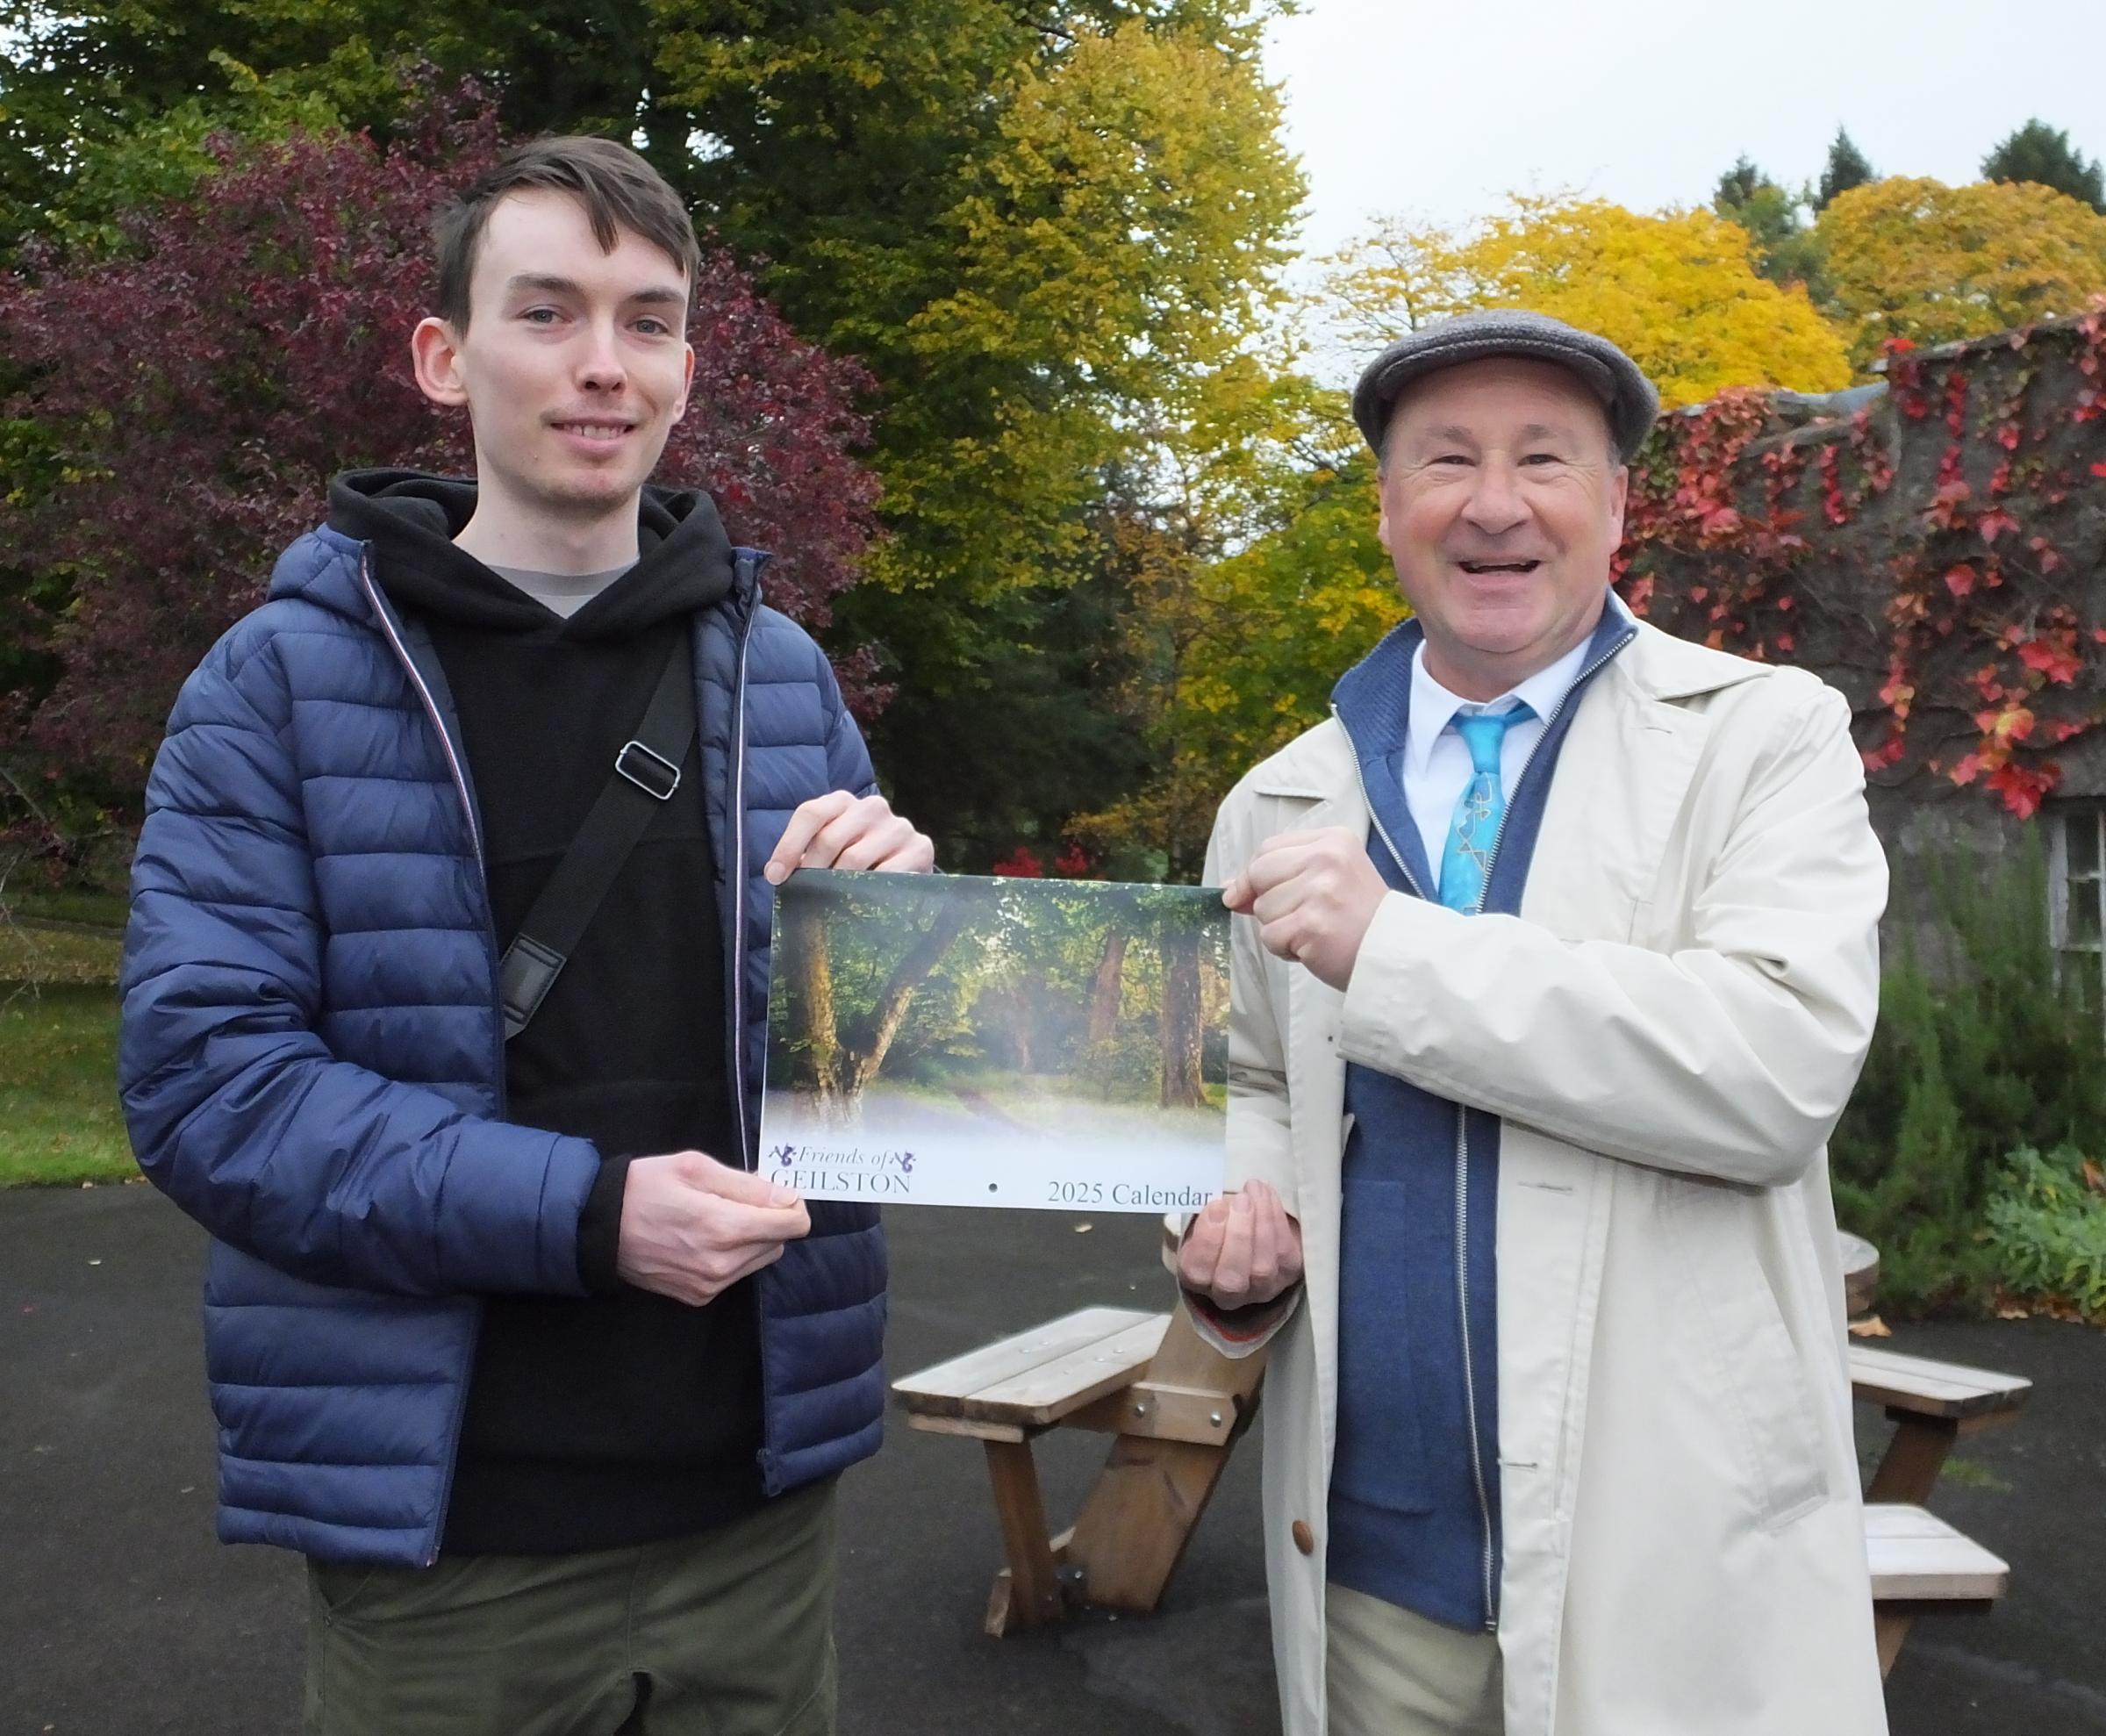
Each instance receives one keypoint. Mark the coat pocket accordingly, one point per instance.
(1380, 1457)
(1746, 1353)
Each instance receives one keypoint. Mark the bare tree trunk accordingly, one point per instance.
(1104, 993)
(1181, 1084)
(1020, 1004)
(1213, 989)
(814, 1043)
(860, 1064)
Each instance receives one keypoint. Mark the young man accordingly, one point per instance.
(507, 1337)
(1556, 960)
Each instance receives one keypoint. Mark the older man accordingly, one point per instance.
(1558, 964)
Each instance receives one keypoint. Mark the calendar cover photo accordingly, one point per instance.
(939, 1039)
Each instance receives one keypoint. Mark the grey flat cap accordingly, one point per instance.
(1626, 394)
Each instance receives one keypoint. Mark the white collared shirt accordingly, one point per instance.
(1435, 765)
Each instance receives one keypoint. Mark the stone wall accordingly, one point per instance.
(1936, 548)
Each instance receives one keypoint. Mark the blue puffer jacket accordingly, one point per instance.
(311, 1062)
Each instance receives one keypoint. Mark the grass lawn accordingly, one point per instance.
(68, 904)
(58, 1059)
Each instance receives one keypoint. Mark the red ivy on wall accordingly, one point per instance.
(1940, 555)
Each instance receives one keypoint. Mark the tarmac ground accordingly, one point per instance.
(120, 1616)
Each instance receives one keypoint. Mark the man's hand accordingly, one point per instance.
(1314, 893)
(839, 830)
(692, 1227)
(1243, 1248)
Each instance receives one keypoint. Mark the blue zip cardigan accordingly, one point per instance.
(311, 1056)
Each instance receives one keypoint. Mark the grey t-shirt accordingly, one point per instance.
(564, 593)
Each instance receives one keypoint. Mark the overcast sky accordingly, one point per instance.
(1438, 109)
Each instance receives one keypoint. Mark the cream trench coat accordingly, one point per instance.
(1669, 1030)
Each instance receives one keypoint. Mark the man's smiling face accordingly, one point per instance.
(575, 364)
(1501, 506)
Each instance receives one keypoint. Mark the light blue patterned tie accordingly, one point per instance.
(1479, 810)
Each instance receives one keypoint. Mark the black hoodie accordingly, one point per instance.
(626, 1416)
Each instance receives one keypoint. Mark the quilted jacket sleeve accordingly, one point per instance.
(847, 760)
(237, 1110)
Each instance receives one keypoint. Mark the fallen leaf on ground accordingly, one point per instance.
(1082, 1229)
(1871, 1327)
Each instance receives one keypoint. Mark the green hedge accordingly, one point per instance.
(1987, 1054)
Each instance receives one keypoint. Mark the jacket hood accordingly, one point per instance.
(684, 560)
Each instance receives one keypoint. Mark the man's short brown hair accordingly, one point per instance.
(618, 189)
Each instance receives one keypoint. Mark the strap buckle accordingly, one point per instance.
(653, 773)
(525, 975)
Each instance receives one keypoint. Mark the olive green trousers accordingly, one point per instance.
(728, 1634)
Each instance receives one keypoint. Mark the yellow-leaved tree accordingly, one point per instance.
(1254, 580)
(1679, 292)
(1916, 259)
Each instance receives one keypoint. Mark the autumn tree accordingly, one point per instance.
(107, 103)
(190, 396)
(1394, 279)
(1025, 223)
(1782, 242)
(1846, 167)
(1035, 238)
(1678, 291)
(1246, 606)
(1919, 260)
(2044, 155)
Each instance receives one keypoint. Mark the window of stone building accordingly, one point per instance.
(2076, 880)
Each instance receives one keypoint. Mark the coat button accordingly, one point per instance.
(1305, 1539)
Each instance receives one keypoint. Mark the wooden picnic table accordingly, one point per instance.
(1175, 1407)
(1931, 1404)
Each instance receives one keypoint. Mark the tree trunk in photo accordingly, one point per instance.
(1214, 990)
(814, 1045)
(1019, 1004)
(1181, 1027)
(860, 1064)
(1104, 993)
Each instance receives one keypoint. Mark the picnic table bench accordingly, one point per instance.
(1919, 1562)
(1175, 1407)
(1931, 1404)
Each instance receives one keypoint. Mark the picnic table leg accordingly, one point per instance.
(1141, 1513)
(1033, 1588)
(1142, 1509)
(1890, 1628)
(1913, 1459)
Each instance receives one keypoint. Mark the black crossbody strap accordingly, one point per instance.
(647, 771)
